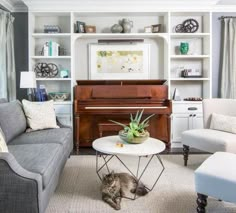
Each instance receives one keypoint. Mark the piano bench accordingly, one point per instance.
(109, 127)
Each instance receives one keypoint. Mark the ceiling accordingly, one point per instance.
(23, 5)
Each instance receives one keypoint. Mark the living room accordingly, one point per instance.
(140, 92)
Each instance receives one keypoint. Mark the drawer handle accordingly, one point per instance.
(192, 108)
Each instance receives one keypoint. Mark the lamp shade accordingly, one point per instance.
(27, 79)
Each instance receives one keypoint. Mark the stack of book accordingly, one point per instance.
(51, 48)
(41, 93)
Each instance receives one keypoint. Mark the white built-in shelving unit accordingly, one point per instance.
(166, 62)
(186, 114)
(37, 39)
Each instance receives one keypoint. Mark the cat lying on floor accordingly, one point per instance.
(114, 186)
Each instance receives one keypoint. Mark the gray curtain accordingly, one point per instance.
(228, 69)
(7, 57)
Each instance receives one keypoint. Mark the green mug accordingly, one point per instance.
(184, 47)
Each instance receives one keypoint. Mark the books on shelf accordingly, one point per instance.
(51, 48)
(41, 93)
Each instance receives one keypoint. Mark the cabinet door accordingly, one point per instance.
(197, 121)
(180, 123)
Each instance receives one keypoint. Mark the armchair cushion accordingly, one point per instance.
(216, 177)
(210, 140)
(223, 123)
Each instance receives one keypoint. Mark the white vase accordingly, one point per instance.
(127, 25)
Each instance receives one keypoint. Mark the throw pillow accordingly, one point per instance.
(223, 123)
(3, 145)
(40, 115)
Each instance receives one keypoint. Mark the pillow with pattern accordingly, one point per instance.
(223, 123)
(40, 115)
(3, 145)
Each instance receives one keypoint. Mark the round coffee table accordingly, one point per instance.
(112, 146)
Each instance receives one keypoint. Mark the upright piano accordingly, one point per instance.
(98, 101)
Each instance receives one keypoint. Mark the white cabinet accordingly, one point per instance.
(182, 122)
(185, 116)
(197, 121)
(166, 61)
(53, 70)
(196, 62)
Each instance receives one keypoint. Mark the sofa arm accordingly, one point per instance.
(20, 190)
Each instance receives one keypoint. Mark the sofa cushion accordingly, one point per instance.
(59, 136)
(223, 123)
(40, 115)
(12, 119)
(38, 158)
(210, 140)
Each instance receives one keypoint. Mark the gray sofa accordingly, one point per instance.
(29, 173)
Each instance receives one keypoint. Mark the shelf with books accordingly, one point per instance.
(50, 46)
(49, 22)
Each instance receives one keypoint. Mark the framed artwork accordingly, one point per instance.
(119, 61)
(80, 27)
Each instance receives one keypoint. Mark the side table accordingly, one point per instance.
(107, 148)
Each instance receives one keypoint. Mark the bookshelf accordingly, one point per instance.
(166, 62)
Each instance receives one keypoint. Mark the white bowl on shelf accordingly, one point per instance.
(58, 96)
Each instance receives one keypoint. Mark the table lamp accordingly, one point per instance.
(28, 81)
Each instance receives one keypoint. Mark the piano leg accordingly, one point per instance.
(77, 119)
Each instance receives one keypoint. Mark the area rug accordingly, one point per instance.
(79, 187)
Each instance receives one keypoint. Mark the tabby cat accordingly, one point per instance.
(114, 186)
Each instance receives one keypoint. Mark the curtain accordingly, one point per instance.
(7, 58)
(228, 69)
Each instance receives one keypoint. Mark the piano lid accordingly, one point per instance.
(121, 82)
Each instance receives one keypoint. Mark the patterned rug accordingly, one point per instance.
(79, 187)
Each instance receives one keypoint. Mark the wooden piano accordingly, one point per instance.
(98, 101)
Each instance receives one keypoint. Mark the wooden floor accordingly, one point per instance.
(172, 151)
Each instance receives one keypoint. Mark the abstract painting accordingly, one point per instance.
(119, 61)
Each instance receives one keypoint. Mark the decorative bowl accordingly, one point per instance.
(58, 96)
(135, 140)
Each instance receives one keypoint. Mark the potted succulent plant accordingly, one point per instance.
(136, 131)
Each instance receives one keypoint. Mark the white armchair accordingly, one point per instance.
(211, 140)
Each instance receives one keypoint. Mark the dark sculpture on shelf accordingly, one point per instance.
(46, 70)
(188, 26)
